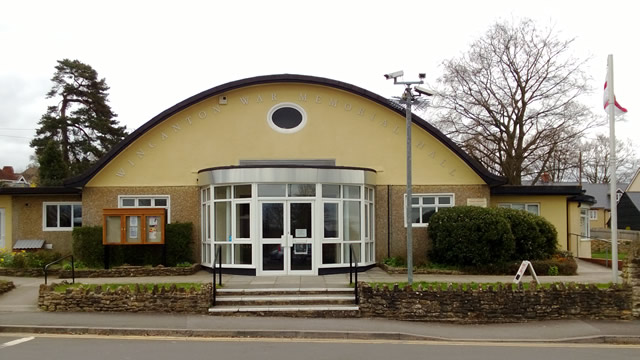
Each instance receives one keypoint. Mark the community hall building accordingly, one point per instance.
(285, 173)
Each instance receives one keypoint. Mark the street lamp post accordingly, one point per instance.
(407, 98)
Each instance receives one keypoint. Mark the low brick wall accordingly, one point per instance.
(131, 271)
(503, 303)
(172, 300)
(6, 286)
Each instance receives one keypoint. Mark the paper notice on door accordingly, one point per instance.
(301, 233)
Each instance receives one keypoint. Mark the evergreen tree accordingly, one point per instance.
(52, 167)
(82, 124)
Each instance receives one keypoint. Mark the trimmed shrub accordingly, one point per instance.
(88, 248)
(87, 245)
(531, 233)
(470, 236)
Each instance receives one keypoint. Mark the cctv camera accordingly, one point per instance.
(394, 75)
(423, 91)
(422, 75)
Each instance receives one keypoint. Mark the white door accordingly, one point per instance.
(2, 228)
(286, 237)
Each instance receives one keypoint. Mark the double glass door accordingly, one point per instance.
(286, 237)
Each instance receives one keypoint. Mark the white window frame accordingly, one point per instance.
(584, 219)
(593, 214)
(436, 205)
(152, 197)
(526, 206)
(57, 203)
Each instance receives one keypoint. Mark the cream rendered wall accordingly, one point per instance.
(6, 204)
(601, 221)
(552, 207)
(578, 246)
(340, 125)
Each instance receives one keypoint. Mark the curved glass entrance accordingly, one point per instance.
(285, 220)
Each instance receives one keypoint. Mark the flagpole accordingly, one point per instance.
(612, 169)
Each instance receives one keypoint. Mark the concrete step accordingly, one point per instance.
(286, 299)
(287, 310)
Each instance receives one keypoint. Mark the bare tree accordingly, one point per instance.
(511, 100)
(596, 156)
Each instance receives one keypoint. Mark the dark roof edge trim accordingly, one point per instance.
(40, 191)
(81, 180)
(285, 167)
(536, 190)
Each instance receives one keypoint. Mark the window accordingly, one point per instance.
(287, 118)
(585, 226)
(63, 216)
(593, 214)
(423, 206)
(532, 208)
(145, 201)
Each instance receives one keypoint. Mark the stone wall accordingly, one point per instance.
(131, 271)
(28, 272)
(6, 286)
(503, 303)
(631, 277)
(624, 246)
(171, 300)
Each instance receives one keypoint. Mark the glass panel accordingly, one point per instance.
(533, 208)
(428, 200)
(242, 191)
(65, 216)
(222, 221)
(208, 194)
(113, 230)
(351, 192)
(371, 195)
(128, 202)
(330, 191)
(415, 215)
(243, 221)
(506, 206)
(203, 255)
(517, 206)
(208, 252)
(160, 202)
(331, 253)
(272, 258)
(52, 215)
(242, 254)
(77, 215)
(415, 200)
(272, 220)
(144, 202)
(351, 220)
(300, 220)
(331, 220)
(427, 212)
(366, 221)
(367, 252)
(208, 220)
(133, 233)
(371, 221)
(154, 229)
(444, 200)
(302, 190)
(271, 190)
(222, 192)
(225, 253)
(204, 223)
(301, 257)
(356, 252)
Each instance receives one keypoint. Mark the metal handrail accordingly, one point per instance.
(73, 271)
(351, 258)
(217, 257)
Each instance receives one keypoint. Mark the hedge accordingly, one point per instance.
(88, 248)
(472, 236)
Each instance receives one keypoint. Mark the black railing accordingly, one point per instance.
(217, 258)
(73, 271)
(353, 257)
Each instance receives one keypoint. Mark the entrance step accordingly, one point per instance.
(294, 302)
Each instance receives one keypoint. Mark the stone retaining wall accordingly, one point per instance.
(31, 272)
(171, 300)
(6, 286)
(624, 246)
(503, 303)
(131, 271)
(632, 277)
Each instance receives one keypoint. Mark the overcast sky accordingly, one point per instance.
(155, 54)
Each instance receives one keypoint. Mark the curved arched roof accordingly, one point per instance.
(81, 180)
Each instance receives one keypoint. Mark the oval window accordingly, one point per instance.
(287, 117)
